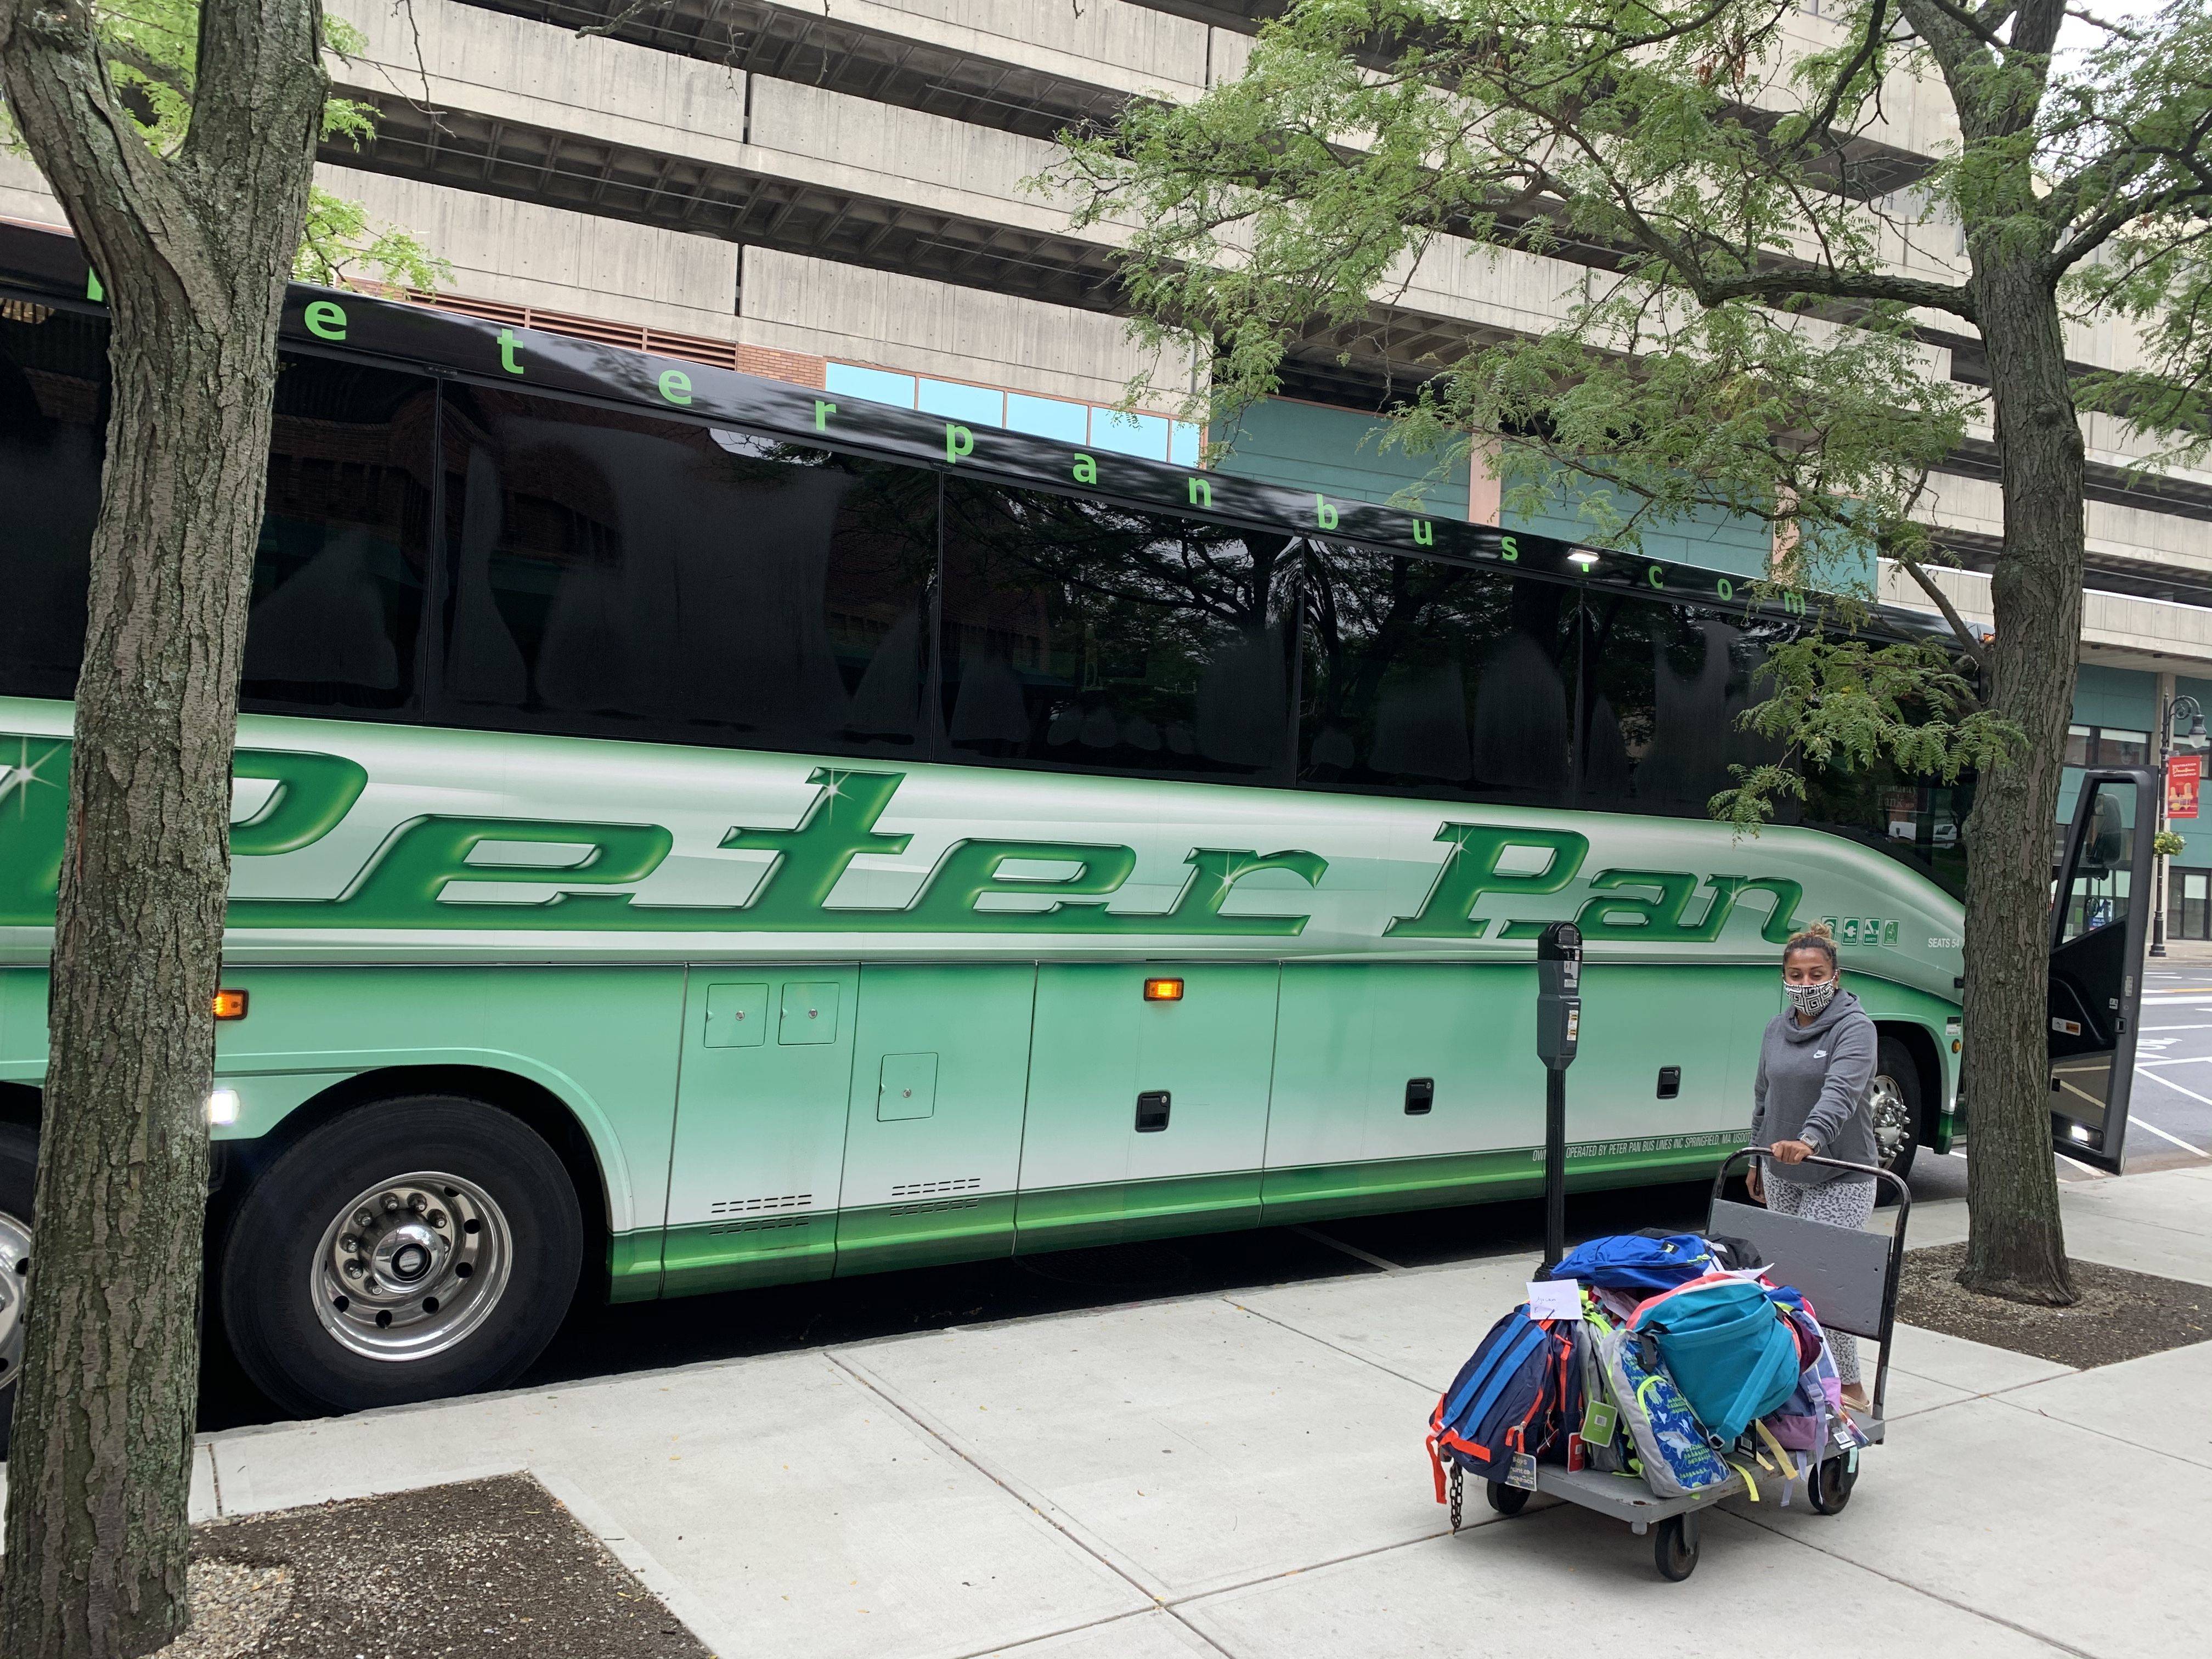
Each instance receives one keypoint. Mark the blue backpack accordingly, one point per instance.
(1729, 1350)
(1630, 1262)
(1519, 1391)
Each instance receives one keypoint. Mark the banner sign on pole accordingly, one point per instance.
(2183, 775)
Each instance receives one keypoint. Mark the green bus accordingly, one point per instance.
(693, 834)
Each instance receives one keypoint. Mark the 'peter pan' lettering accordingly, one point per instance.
(972, 869)
(838, 826)
(1470, 870)
(507, 344)
(403, 885)
(1214, 872)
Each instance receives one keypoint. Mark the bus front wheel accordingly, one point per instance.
(19, 1178)
(1894, 1096)
(408, 1249)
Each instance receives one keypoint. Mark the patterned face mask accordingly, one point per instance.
(1809, 1000)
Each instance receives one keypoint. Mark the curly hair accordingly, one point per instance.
(1814, 937)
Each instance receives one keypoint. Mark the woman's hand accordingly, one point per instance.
(1751, 1180)
(1793, 1151)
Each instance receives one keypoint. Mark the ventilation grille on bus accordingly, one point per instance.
(737, 1207)
(773, 1225)
(932, 1205)
(924, 1188)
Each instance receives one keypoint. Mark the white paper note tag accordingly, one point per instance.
(1554, 1298)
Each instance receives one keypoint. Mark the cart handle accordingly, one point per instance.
(1896, 1267)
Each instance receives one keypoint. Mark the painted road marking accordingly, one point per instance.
(2147, 1124)
(2160, 1077)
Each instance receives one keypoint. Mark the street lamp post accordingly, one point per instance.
(2174, 710)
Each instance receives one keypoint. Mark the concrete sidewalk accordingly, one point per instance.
(1242, 1474)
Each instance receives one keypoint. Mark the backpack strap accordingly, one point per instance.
(1481, 1391)
(1783, 1461)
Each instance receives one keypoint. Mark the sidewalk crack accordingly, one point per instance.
(1335, 1348)
(1910, 1588)
(1035, 1502)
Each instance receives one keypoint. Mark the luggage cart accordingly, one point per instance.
(1850, 1278)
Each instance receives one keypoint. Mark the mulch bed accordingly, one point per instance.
(472, 1570)
(2122, 1314)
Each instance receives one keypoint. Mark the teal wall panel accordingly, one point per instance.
(2126, 700)
(1710, 539)
(2120, 697)
(1334, 452)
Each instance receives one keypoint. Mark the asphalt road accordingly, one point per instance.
(2170, 1115)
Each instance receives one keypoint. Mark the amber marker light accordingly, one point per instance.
(230, 1005)
(1163, 990)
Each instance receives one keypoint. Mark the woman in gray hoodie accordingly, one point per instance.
(1816, 1064)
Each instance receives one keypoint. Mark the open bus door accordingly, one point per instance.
(2099, 922)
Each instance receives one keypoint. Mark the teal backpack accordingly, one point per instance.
(1729, 1350)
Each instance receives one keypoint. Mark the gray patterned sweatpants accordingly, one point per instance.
(1840, 1204)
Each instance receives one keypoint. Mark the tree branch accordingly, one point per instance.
(1969, 642)
(2097, 22)
(1868, 285)
(114, 189)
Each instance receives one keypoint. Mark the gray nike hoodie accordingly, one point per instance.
(1813, 1086)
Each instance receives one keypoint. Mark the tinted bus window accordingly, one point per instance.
(53, 417)
(618, 576)
(1427, 678)
(1663, 686)
(1078, 633)
(338, 576)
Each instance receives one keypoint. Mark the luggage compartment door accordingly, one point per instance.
(933, 1132)
(1146, 1116)
(759, 1124)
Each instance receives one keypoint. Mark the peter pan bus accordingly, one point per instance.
(694, 832)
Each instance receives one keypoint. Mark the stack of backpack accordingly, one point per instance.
(1686, 1369)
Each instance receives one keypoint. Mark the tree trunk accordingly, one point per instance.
(2015, 1245)
(194, 251)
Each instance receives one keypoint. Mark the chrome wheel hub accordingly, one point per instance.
(15, 1266)
(411, 1266)
(1892, 1123)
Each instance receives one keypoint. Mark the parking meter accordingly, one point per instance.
(1558, 1029)
(1558, 994)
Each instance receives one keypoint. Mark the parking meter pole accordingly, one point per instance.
(1558, 1029)
(1555, 1164)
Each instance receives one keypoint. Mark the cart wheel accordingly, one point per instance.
(1674, 1549)
(1830, 1488)
(1506, 1500)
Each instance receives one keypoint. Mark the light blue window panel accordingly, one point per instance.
(875, 385)
(1118, 433)
(1048, 417)
(978, 405)
(1182, 443)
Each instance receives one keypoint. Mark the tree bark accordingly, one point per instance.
(2016, 1245)
(194, 251)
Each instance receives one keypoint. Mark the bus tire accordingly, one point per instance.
(1895, 1099)
(408, 1249)
(19, 1179)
